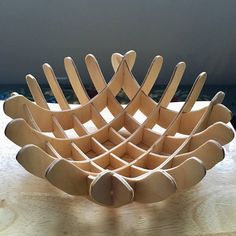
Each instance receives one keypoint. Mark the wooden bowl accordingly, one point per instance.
(122, 159)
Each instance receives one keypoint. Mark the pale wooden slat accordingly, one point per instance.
(173, 84)
(75, 80)
(36, 91)
(95, 72)
(55, 87)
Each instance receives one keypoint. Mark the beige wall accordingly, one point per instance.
(200, 32)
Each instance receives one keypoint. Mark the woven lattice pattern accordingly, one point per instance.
(143, 151)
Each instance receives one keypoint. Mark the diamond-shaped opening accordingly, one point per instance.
(91, 154)
(96, 149)
(121, 152)
(148, 139)
(158, 129)
(90, 126)
(107, 115)
(113, 139)
(113, 105)
(77, 154)
(96, 118)
(71, 133)
(179, 135)
(87, 149)
(79, 127)
(108, 144)
(154, 160)
(54, 106)
(143, 146)
(142, 141)
(171, 146)
(139, 116)
(115, 162)
(109, 161)
(160, 148)
(124, 132)
(122, 97)
(141, 162)
(130, 153)
(50, 134)
(102, 161)
(130, 123)
(151, 161)
(147, 105)
(126, 157)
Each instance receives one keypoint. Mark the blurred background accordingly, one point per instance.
(202, 33)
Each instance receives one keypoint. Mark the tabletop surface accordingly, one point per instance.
(32, 206)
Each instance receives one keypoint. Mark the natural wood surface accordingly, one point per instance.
(32, 206)
(143, 165)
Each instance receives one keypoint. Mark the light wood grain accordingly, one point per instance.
(31, 206)
(82, 165)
